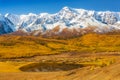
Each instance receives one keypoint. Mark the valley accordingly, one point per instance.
(91, 56)
(59, 40)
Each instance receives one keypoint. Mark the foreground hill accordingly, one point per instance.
(100, 66)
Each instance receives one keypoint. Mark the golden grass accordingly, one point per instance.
(10, 66)
(14, 66)
(27, 46)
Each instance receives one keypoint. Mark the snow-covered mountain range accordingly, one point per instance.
(70, 18)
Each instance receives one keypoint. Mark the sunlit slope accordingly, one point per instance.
(28, 46)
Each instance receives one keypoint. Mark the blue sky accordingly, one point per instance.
(53, 6)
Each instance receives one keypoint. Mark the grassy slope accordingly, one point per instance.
(111, 72)
(19, 46)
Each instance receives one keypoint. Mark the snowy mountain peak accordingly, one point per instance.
(67, 17)
(66, 8)
(43, 14)
(8, 14)
(32, 14)
(6, 26)
(15, 19)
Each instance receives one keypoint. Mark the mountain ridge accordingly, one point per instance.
(67, 17)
